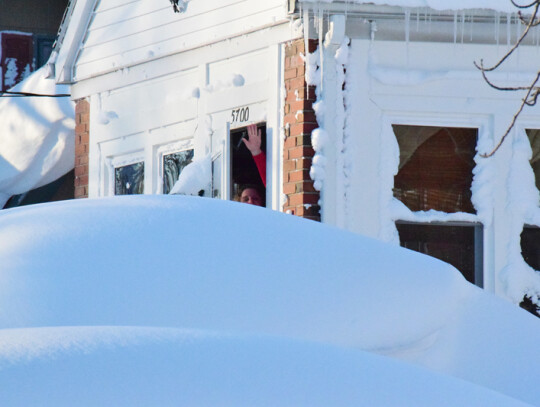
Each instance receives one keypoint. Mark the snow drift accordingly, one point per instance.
(196, 263)
(134, 366)
(36, 136)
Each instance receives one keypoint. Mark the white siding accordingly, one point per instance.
(124, 32)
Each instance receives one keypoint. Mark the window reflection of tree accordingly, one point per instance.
(129, 179)
(435, 169)
(534, 138)
(173, 164)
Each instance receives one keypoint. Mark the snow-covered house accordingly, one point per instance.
(374, 115)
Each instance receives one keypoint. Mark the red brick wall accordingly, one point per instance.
(82, 133)
(299, 121)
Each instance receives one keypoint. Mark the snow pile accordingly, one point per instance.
(203, 264)
(518, 277)
(196, 176)
(127, 366)
(36, 136)
(232, 81)
(504, 6)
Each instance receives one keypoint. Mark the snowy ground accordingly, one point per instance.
(171, 300)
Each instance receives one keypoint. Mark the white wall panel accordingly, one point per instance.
(138, 31)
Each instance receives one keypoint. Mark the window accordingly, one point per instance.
(244, 171)
(435, 168)
(534, 138)
(43, 49)
(459, 245)
(16, 58)
(129, 179)
(435, 173)
(530, 246)
(173, 164)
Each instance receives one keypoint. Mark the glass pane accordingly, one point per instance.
(453, 244)
(216, 177)
(435, 168)
(530, 246)
(173, 164)
(534, 138)
(129, 179)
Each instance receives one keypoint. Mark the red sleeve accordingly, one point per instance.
(260, 162)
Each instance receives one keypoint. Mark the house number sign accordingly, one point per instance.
(240, 115)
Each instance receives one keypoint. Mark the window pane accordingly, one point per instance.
(216, 177)
(173, 164)
(461, 246)
(534, 138)
(530, 246)
(129, 179)
(435, 168)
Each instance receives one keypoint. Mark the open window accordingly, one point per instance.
(244, 171)
(435, 173)
(233, 166)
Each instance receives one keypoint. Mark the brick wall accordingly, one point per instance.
(299, 121)
(82, 134)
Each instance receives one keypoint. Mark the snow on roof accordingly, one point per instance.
(504, 6)
(197, 263)
(36, 136)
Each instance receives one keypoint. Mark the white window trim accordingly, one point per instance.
(171, 148)
(111, 163)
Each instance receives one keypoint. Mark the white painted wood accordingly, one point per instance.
(141, 31)
(173, 63)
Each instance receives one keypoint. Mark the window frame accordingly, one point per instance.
(170, 148)
(112, 163)
(478, 243)
(481, 123)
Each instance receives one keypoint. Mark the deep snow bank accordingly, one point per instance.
(175, 261)
(36, 136)
(137, 366)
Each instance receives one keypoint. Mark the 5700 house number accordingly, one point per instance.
(240, 115)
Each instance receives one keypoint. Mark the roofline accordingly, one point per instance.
(372, 11)
(70, 35)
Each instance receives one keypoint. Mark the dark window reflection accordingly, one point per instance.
(461, 246)
(435, 168)
(534, 138)
(129, 179)
(173, 164)
(530, 246)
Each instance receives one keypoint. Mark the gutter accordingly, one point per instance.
(371, 11)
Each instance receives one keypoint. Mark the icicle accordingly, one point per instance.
(455, 26)
(321, 45)
(462, 25)
(508, 29)
(407, 33)
(305, 14)
(498, 29)
(472, 26)
(518, 28)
